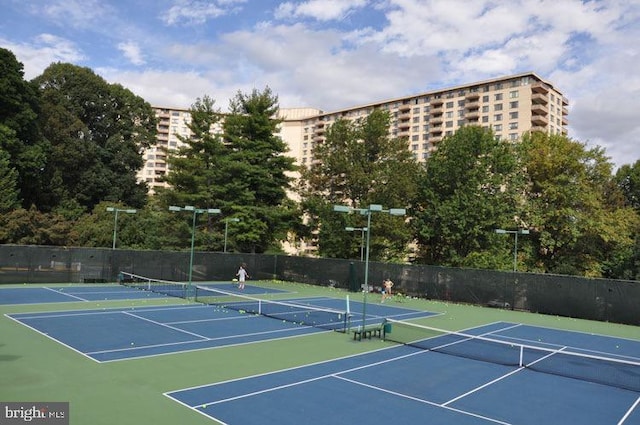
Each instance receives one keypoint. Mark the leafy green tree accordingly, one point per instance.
(33, 227)
(97, 132)
(577, 229)
(628, 180)
(20, 136)
(472, 186)
(8, 183)
(360, 164)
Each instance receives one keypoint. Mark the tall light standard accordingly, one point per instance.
(226, 229)
(361, 230)
(195, 212)
(115, 221)
(367, 211)
(515, 246)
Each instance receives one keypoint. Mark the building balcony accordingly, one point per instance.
(435, 121)
(539, 120)
(539, 128)
(404, 124)
(405, 107)
(565, 121)
(470, 97)
(436, 102)
(437, 110)
(540, 99)
(435, 132)
(472, 105)
(539, 87)
(538, 109)
(472, 116)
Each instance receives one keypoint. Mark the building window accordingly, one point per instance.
(485, 118)
(513, 136)
(513, 94)
(497, 117)
(414, 147)
(485, 108)
(513, 104)
(513, 115)
(498, 96)
(497, 127)
(461, 123)
(415, 138)
(449, 114)
(485, 98)
(497, 107)
(449, 105)
(513, 126)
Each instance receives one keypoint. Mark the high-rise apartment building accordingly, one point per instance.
(509, 105)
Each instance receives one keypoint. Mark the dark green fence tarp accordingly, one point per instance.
(597, 299)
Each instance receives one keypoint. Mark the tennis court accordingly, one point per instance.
(566, 383)
(221, 317)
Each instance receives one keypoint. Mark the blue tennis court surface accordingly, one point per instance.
(62, 294)
(404, 384)
(110, 334)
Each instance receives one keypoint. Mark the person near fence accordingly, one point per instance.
(386, 289)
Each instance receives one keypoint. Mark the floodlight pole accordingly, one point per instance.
(367, 211)
(226, 228)
(515, 245)
(115, 221)
(195, 212)
(362, 230)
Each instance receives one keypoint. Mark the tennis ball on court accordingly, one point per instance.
(204, 406)
(617, 346)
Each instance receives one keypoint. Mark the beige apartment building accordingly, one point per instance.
(509, 105)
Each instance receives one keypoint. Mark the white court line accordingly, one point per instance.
(63, 293)
(631, 409)
(444, 406)
(164, 325)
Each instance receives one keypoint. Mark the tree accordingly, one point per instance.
(472, 186)
(257, 172)
(627, 179)
(8, 183)
(198, 175)
(577, 229)
(20, 136)
(359, 164)
(97, 133)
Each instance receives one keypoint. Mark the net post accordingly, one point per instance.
(521, 361)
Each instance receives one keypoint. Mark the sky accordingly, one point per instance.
(334, 54)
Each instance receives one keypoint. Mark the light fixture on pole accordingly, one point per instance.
(367, 211)
(515, 246)
(361, 230)
(226, 228)
(195, 212)
(115, 221)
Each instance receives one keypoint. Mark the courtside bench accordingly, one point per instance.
(367, 332)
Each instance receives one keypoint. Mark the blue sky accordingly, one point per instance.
(331, 54)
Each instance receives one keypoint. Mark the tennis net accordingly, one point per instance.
(301, 314)
(615, 372)
(166, 287)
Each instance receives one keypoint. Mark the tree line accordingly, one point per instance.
(71, 145)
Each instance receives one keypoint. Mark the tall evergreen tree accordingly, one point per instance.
(8, 183)
(257, 171)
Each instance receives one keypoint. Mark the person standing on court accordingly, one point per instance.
(242, 276)
(386, 289)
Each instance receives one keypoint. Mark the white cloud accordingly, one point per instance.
(198, 11)
(322, 10)
(43, 51)
(73, 13)
(131, 51)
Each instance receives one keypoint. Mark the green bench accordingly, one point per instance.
(367, 332)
